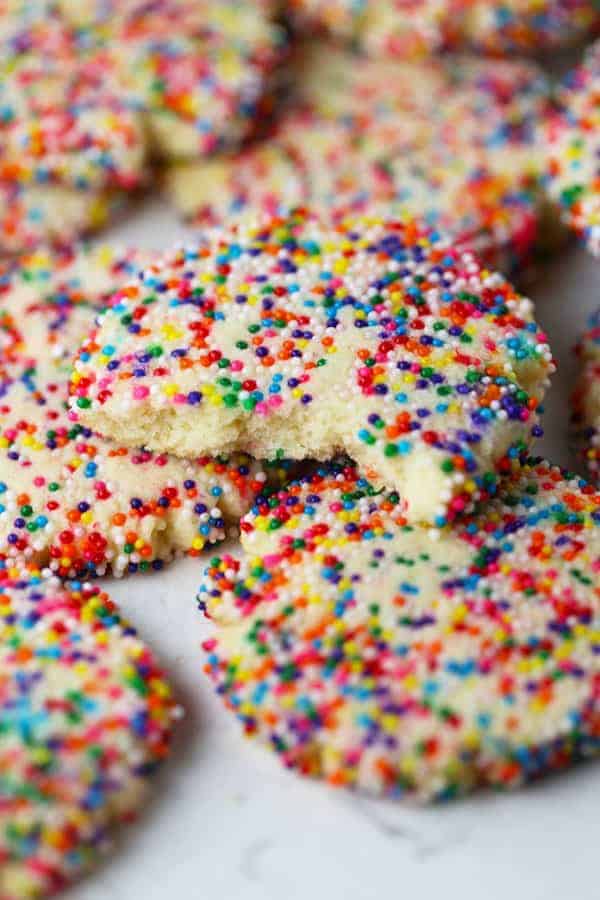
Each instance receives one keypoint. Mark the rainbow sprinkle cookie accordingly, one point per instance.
(376, 338)
(585, 421)
(404, 29)
(573, 149)
(87, 718)
(453, 143)
(409, 662)
(198, 69)
(71, 146)
(69, 498)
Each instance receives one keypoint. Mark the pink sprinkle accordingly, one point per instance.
(237, 365)
(140, 392)
(275, 400)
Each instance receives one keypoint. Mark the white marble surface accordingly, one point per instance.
(228, 823)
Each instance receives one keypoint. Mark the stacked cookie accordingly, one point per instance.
(334, 369)
(417, 614)
(86, 714)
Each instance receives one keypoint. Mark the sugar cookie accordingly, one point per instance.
(454, 143)
(410, 662)
(87, 718)
(68, 497)
(379, 339)
(197, 69)
(71, 145)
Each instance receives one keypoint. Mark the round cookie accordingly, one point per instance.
(409, 662)
(199, 71)
(453, 143)
(87, 718)
(573, 151)
(585, 419)
(70, 145)
(378, 339)
(69, 498)
(397, 28)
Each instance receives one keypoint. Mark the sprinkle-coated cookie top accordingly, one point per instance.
(405, 661)
(375, 338)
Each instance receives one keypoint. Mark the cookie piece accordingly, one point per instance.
(397, 28)
(585, 419)
(414, 663)
(453, 142)
(379, 339)
(573, 151)
(69, 498)
(198, 71)
(87, 718)
(71, 145)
